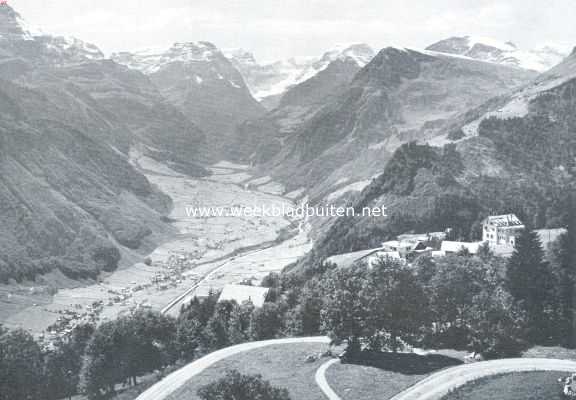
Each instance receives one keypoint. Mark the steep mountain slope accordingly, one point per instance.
(523, 163)
(70, 199)
(125, 107)
(487, 49)
(259, 140)
(129, 99)
(401, 95)
(199, 80)
(269, 82)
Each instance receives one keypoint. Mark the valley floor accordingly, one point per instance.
(208, 252)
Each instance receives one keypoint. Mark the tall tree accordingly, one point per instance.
(265, 322)
(397, 304)
(239, 325)
(126, 348)
(20, 366)
(63, 363)
(61, 371)
(235, 386)
(563, 254)
(188, 337)
(344, 315)
(528, 279)
(215, 334)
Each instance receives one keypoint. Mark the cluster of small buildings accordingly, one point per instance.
(67, 321)
(170, 275)
(499, 232)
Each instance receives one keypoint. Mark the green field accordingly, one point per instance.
(515, 386)
(283, 365)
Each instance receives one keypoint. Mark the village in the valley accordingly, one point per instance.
(499, 233)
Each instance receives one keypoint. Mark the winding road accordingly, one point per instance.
(323, 383)
(434, 387)
(438, 385)
(441, 383)
(172, 382)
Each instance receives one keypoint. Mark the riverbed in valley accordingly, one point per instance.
(206, 254)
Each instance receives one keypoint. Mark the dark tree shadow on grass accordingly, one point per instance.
(404, 363)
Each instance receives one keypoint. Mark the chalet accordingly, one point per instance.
(242, 293)
(501, 230)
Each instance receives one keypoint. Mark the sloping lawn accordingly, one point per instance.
(550, 352)
(515, 386)
(389, 375)
(283, 365)
(357, 382)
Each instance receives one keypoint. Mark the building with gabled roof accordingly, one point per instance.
(501, 230)
(242, 293)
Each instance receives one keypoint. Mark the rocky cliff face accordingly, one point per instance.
(202, 84)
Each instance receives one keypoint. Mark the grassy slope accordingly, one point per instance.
(357, 382)
(360, 382)
(516, 386)
(282, 365)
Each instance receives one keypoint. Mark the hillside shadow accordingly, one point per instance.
(404, 363)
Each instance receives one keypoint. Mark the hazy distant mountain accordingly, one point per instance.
(269, 81)
(202, 83)
(487, 49)
(400, 96)
(514, 153)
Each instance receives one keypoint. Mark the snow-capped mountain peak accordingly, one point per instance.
(36, 46)
(240, 56)
(70, 48)
(152, 60)
(361, 53)
(507, 53)
(273, 79)
(13, 26)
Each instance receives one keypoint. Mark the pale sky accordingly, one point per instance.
(274, 29)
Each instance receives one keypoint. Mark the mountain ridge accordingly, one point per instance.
(507, 53)
(270, 81)
(523, 164)
(203, 84)
(400, 96)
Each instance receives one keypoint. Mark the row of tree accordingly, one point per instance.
(29, 372)
(93, 361)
